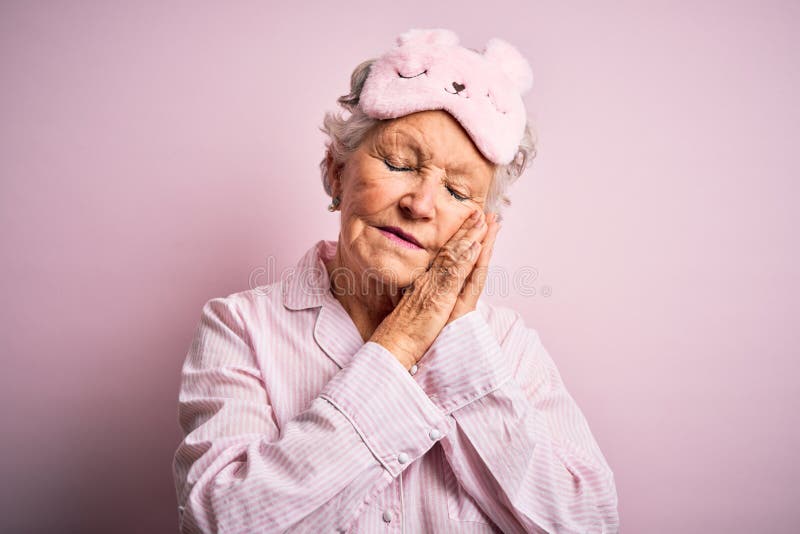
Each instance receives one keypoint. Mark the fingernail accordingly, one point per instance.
(475, 215)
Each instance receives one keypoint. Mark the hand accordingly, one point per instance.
(473, 286)
(427, 304)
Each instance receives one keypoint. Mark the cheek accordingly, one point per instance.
(371, 196)
(364, 201)
(450, 229)
(450, 223)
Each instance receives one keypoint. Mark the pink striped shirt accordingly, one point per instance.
(293, 423)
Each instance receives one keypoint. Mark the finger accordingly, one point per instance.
(478, 230)
(453, 264)
(461, 243)
(476, 277)
(472, 242)
(473, 286)
(469, 222)
(475, 219)
(457, 257)
(488, 243)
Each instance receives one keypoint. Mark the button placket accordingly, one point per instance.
(390, 509)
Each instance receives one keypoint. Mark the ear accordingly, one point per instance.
(334, 174)
(438, 36)
(511, 62)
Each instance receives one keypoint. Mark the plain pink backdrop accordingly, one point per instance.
(155, 155)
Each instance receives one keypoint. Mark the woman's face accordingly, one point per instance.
(421, 174)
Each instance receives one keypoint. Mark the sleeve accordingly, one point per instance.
(236, 471)
(521, 448)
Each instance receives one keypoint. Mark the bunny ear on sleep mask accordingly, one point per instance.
(428, 69)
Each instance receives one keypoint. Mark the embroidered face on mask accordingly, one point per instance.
(428, 70)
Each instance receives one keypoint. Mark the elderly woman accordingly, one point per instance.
(373, 390)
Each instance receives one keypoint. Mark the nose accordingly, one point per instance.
(420, 201)
(458, 87)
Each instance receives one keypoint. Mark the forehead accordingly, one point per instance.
(433, 136)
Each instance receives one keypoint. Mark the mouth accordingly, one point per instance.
(399, 236)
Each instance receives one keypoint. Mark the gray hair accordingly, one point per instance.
(345, 135)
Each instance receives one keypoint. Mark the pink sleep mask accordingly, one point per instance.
(483, 91)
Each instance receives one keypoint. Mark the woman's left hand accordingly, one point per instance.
(473, 285)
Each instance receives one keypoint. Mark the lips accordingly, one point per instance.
(401, 234)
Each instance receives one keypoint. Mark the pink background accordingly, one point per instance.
(154, 156)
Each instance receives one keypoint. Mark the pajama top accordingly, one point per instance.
(292, 423)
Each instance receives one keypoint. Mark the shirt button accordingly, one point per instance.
(413, 370)
(434, 434)
(402, 458)
(387, 515)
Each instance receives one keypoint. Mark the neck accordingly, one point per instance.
(365, 299)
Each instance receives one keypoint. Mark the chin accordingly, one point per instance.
(393, 271)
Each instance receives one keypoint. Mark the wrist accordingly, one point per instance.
(400, 349)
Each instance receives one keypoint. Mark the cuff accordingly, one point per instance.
(392, 414)
(464, 363)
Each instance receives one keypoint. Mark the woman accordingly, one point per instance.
(372, 390)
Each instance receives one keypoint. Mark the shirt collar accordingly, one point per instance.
(308, 286)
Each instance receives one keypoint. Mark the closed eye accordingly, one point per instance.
(456, 194)
(396, 169)
(407, 77)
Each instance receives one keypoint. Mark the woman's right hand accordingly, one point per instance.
(410, 329)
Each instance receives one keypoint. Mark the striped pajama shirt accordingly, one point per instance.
(292, 423)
